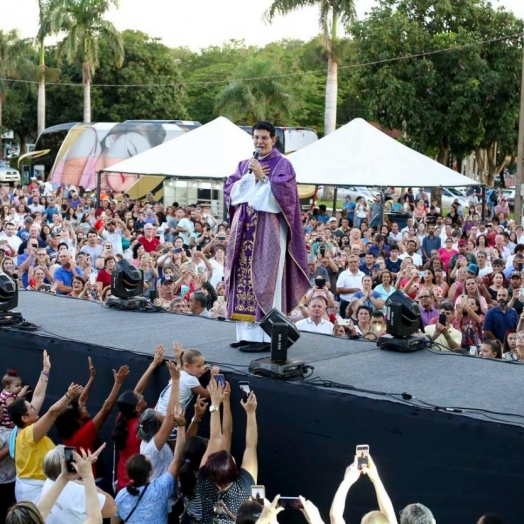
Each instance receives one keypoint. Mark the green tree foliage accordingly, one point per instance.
(147, 61)
(331, 13)
(86, 28)
(451, 101)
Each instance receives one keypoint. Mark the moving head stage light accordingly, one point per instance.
(127, 284)
(403, 320)
(283, 335)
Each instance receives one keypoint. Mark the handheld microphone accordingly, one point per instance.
(256, 155)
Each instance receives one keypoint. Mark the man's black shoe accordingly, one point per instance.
(239, 343)
(255, 347)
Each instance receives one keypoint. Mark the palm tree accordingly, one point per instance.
(12, 51)
(83, 20)
(250, 101)
(332, 12)
(44, 30)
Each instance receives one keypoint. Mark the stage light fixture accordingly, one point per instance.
(403, 320)
(8, 300)
(283, 335)
(127, 284)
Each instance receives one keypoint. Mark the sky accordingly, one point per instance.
(201, 23)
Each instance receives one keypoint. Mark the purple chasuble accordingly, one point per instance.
(253, 252)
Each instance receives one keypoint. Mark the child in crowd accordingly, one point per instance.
(193, 367)
(12, 391)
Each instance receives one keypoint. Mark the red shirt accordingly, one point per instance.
(104, 277)
(149, 246)
(132, 447)
(84, 438)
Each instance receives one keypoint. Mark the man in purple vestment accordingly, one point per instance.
(266, 264)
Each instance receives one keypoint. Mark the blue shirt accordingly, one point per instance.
(66, 277)
(367, 302)
(154, 506)
(429, 244)
(499, 323)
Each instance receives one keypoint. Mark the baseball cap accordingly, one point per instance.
(332, 219)
(55, 234)
(461, 242)
(515, 274)
(166, 280)
(473, 268)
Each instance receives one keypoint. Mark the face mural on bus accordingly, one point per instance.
(89, 148)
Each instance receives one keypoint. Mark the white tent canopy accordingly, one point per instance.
(358, 154)
(208, 152)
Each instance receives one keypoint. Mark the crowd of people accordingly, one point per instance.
(164, 470)
(465, 272)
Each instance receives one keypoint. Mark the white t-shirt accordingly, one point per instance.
(188, 225)
(324, 327)
(347, 279)
(70, 508)
(187, 382)
(160, 460)
(115, 239)
(218, 272)
(417, 259)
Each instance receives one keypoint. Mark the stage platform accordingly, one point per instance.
(461, 463)
(438, 378)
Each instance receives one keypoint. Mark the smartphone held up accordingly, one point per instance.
(245, 390)
(69, 459)
(362, 454)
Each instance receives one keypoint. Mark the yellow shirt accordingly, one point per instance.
(29, 455)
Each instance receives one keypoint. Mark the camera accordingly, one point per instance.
(320, 282)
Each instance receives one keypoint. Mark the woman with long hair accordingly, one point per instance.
(509, 347)
(220, 483)
(75, 426)
(131, 405)
(146, 497)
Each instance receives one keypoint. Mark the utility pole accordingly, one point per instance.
(520, 153)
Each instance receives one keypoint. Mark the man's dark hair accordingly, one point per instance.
(201, 298)
(519, 248)
(264, 126)
(492, 518)
(377, 314)
(394, 247)
(379, 238)
(322, 207)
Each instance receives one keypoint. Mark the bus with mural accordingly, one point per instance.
(75, 152)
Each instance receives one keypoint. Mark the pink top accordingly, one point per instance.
(5, 419)
(445, 256)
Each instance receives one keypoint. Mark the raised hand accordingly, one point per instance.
(74, 390)
(250, 405)
(159, 355)
(216, 392)
(179, 416)
(174, 371)
(47, 362)
(200, 407)
(121, 374)
(92, 370)
(177, 353)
